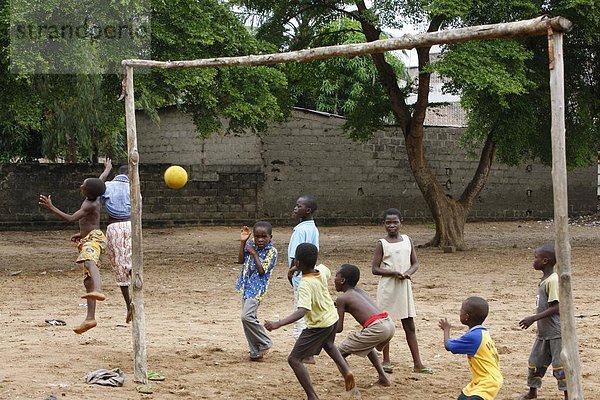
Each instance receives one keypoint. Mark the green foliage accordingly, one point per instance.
(492, 77)
(343, 86)
(505, 90)
(248, 98)
(503, 83)
(291, 25)
(77, 117)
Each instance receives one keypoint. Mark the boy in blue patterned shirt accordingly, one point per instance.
(258, 258)
(479, 348)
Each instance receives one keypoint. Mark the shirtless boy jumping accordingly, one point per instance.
(378, 327)
(90, 242)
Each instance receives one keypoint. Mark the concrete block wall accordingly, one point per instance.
(175, 140)
(352, 181)
(22, 184)
(242, 178)
(357, 181)
(211, 196)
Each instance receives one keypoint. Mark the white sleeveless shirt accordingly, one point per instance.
(394, 295)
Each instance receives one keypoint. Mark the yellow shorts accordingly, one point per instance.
(91, 247)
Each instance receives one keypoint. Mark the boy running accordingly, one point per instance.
(378, 327)
(314, 304)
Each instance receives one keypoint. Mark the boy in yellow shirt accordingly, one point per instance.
(321, 316)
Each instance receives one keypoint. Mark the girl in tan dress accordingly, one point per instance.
(395, 261)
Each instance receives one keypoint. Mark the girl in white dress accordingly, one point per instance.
(395, 261)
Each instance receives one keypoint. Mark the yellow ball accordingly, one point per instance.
(175, 177)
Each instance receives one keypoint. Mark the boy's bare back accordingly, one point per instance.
(357, 303)
(90, 219)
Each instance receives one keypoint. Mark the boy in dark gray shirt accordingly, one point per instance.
(547, 346)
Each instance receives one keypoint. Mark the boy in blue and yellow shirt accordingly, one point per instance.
(479, 348)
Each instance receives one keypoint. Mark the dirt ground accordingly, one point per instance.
(195, 339)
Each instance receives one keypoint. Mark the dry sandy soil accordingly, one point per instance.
(195, 339)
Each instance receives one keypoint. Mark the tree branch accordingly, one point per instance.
(422, 102)
(386, 73)
(477, 183)
(351, 14)
(324, 34)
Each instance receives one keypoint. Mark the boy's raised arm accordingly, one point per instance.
(46, 202)
(107, 167)
(244, 236)
(445, 326)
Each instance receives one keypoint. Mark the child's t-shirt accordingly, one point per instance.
(252, 284)
(115, 198)
(313, 295)
(304, 232)
(549, 327)
(483, 360)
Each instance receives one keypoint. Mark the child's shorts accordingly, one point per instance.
(376, 335)
(118, 249)
(311, 341)
(90, 248)
(462, 396)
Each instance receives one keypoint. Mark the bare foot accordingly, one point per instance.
(85, 326)
(349, 381)
(310, 360)
(94, 295)
(384, 381)
(129, 316)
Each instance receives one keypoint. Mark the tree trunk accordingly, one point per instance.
(71, 149)
(450, 218)
(449, 215)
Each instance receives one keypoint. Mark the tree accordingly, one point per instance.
(75, 116)
(56, 103)
(343, 86)
(504, 84)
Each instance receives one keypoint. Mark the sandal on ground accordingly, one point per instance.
(144, 389)
(56, 322)
(388, 368)
(155, 376)
(424, 370)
